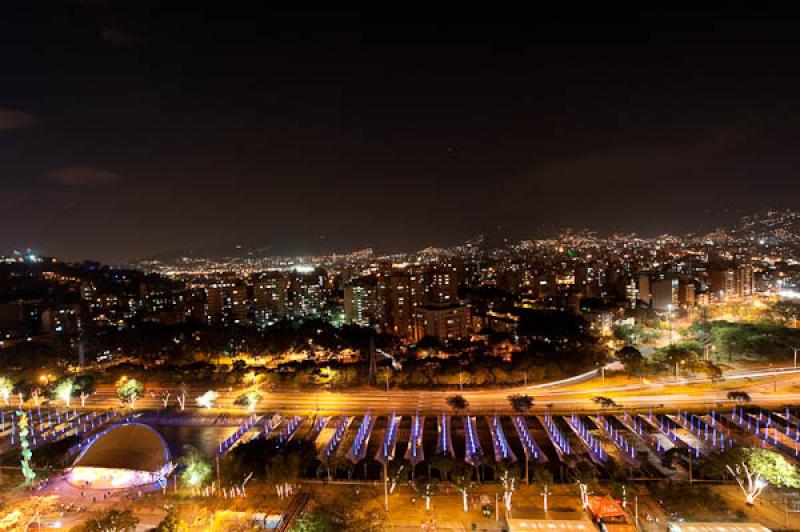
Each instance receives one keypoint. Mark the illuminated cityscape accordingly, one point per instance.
(283, 269)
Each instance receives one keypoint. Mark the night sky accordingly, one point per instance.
(134, 128)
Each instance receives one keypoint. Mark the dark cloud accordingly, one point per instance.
(82, 176)
(11, 119)
(119, 37)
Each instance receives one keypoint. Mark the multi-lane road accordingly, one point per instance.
(765, 386)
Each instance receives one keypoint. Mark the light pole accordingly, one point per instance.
(386, 485)
(669, 321)
(795, 349)
(545, 494)
(584, 495)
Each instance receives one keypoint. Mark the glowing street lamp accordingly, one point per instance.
(669, 321)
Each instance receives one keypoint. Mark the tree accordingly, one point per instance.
(26, 511)
(670, 456)
(520, 403)
(398, 471)
(713, 371)
(634, 334)
(64, 389)
(111, 521)
(6, 387)
(83, 386)
(583, 473)
(759, 469)
(317, 520)
(508, 479)
(462, 480)
(196, 469)
(170, 523)
(427, 488)
(715, 465)
(129, 391)
(539, 474)
(702, 330)
(458, 403)
(687, 500)
(604, 402)
(632, 359)
(330, 517)
(676, 355)
(183, 395)
(207, 399)
(785, 311)
(250, 399)
(23, 389)
(443, 463)
(739, 396)
(283, 471)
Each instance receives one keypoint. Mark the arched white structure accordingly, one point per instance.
(122, 456)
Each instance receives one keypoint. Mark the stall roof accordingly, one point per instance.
(717, 527)
(554, 525)
(605, 507)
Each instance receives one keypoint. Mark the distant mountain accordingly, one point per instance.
(218, 250)
(774, 227)
(244, 248)
(770, 227)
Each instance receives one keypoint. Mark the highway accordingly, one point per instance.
(768, 386)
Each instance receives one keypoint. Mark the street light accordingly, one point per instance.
(669, 321)
(545, 493)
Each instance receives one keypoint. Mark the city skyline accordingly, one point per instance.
(132, 130)
(352, 269)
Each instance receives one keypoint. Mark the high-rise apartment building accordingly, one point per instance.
(396, 294)
(445, 323)
(664, 292)
(270, 298)
(442, 286)
(644, 288)
(686, 294)
(226, 304)
(731, 283)
(308, 297)
(362, 303)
